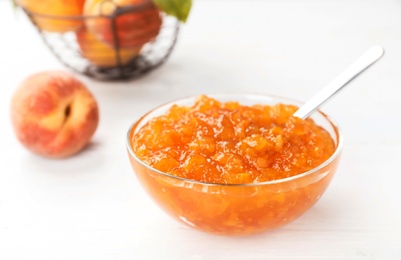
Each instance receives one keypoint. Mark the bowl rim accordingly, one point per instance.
(331, 121)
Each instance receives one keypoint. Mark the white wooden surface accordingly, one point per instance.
(92, 207)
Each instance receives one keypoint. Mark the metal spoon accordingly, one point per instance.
(360, 65)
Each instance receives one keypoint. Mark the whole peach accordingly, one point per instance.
(53, 114)
(132, 29)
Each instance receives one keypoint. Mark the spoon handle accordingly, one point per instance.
(364, 62)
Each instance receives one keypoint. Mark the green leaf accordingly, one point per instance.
(177, 8)
(14, 3)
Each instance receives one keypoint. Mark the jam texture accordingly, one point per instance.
(231, 143)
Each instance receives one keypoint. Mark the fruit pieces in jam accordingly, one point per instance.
(230, 143)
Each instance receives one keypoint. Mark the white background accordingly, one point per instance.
(91, 206)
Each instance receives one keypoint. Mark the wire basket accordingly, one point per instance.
(84, 53)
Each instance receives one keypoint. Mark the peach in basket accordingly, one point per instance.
(234, 164)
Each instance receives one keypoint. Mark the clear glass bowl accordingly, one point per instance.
(236, 209)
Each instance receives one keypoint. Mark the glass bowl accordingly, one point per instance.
(236, 209)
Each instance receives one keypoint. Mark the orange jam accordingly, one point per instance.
(231, 143)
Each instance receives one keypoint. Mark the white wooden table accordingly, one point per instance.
(92, 207)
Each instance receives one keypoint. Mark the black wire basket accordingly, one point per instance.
(84, 53)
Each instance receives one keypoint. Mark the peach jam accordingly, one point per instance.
(230, 143)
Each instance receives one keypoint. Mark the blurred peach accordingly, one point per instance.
(54, 114)
(102, 54)
(133, 29)
(55, 15)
